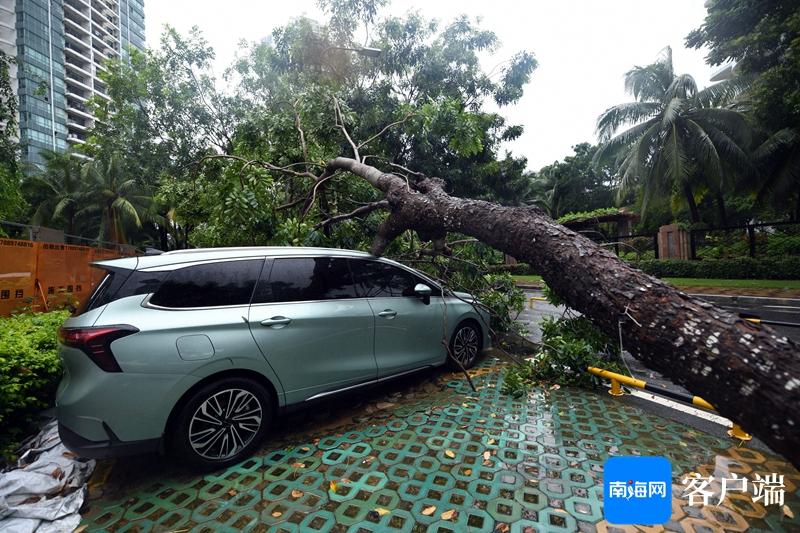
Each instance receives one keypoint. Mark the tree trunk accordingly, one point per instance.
(694, 212)
(723, 215)
(750, 373)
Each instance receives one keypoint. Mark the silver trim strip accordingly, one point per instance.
(371, 382)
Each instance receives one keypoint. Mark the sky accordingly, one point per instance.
(584, 48)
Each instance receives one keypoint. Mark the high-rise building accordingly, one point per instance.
(61, 46)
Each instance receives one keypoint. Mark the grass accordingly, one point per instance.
(707, 282)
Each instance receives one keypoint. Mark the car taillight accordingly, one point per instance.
(96, 343)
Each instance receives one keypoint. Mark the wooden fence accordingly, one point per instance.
(37, 275)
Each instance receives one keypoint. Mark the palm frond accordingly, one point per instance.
(707, 155)
(682, 86)
(672, 111)
(619, 115)
(724, 93)
(622, 140)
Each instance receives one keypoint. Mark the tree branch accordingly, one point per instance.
(341, 126)
(385, 129)
(363, 210)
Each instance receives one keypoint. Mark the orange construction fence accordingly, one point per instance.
(37, 275)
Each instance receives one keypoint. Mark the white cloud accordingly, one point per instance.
(584, 47)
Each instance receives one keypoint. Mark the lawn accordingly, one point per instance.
(706, 282)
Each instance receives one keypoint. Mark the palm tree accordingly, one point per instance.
(778, 159)
(680, 141)
(58, 189)
(118, 199)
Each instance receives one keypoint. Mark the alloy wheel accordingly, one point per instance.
(465, 345)
(225, 423)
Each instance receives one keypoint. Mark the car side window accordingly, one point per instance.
(302, 279)
(374, 279)
(209, 285)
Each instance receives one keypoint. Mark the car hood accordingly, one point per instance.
(464, 296)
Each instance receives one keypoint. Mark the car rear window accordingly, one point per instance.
(121, 283)
(209, 285)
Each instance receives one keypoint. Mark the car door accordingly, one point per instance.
(408, 332)
(312, 327)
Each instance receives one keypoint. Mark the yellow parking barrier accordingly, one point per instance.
(535, 299)
(616, 390)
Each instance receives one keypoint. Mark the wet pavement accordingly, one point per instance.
(432, 455)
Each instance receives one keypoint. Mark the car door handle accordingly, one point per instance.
(388, 313)
(276, 322)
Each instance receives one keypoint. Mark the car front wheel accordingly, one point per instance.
(466, 344)
(222, 423)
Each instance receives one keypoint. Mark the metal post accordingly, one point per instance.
(692, 245)
(655, 245)
(615, 389)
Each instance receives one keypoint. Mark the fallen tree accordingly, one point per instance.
(748, 372)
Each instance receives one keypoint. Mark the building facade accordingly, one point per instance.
(61, 47)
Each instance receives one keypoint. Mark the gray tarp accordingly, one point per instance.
(46, 490)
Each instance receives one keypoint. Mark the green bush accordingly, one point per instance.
(569, 346)
(739, 268)
(29, 373)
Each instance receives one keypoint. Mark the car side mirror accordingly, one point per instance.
(423, 292)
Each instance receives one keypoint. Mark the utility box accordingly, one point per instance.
(673, 242)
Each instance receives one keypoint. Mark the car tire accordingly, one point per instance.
(208, 433)
(465, 345)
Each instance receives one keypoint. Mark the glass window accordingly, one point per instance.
(374, 279)
(209, 285)
(300, 279)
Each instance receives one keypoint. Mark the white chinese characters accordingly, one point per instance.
(769, 490)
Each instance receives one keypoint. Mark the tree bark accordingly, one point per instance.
(748, 372)
(693, 210)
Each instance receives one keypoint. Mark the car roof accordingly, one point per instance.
(210, 254)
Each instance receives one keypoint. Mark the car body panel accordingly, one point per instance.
(327, 345)
(409, 339)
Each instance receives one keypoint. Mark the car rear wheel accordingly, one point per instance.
(222, 423)
(466, 344)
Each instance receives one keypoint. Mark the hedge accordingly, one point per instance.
(29, 373)
(739, 268)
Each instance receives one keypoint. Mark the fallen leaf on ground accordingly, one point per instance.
(555, 387)
(381, 511)
(450, 453)
(81, 529)
(501, 528)
(428, 511)
(493, 415)
(560, 511)
(305, 449)
(232, 492)
(298, 465)
(297, 493)
(57, 473)
(486, 455)
(69, 454)
(468, 472)
(276, 514)
(788, 512)
(384, 405)
(333, 486)
(492, 441)
(447, 515)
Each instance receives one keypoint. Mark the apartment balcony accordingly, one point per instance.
(80, 83)
(76, 138)
(81, 127)
(80, 53)
(76, 26)
(73, 13)
(82, 69)
(76, 36)
(81, 114)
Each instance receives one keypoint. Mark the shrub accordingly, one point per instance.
(569, 346)
(29, 372)
(739, 268)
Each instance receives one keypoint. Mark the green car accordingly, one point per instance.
(194, 352)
